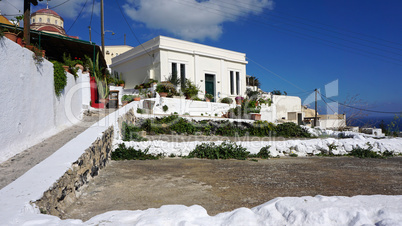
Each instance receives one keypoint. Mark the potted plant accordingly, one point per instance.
(120, 82)
(137, 97)
(70, 65)
(103, 90)
(126, 99)
(165, 89)
(190, 89)
(12, 34)
(208, 97)
(162, 90)
(227, 100)
(239, 100)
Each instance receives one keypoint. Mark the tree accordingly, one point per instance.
(278, 92)
(253, 81)
(352, 107)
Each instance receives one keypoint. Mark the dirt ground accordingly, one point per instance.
(224, 185)
(17, 165)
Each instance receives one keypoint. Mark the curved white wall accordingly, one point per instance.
(29, 109)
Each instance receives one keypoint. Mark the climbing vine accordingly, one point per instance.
(60, 77)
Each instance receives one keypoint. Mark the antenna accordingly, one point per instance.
(47, 4)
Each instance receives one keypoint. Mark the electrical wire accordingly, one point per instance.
(361, 109)
(322, 98)
(60, 4)
(297, 20)
(77, 16)
(13, 6)
(263, 67)
(92, 13)
(121, 11)
(292, 32)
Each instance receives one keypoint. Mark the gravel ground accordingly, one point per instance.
(224, 185)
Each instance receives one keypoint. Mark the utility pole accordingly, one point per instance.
(315, 117)
(27, 19)
(90, 34)
(102, 30)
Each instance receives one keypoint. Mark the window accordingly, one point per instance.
(55, 22)
(231, 83)
(237, 82)
(48, 20)
(33, 20)
(182, 74)
(174, 71)
(40, 19)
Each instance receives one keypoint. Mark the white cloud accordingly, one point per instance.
(68, 10)
(191, 19)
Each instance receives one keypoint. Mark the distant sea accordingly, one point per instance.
(375, 121)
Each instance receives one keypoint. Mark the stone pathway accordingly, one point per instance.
(17, 165)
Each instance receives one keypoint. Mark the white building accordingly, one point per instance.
(113, 51)
(217, 71)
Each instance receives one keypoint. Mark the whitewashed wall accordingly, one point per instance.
(285, 104)
(30, 110)
(191, 107)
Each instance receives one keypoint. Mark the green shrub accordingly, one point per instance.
(130, 133)
(264, 152)
(227, 100)
(128, 98)
(174, 123)
(60, 77)
(165, 108)
(290, 129)
(140, 111)
(124, 153)
(226, 150)
(369, 153)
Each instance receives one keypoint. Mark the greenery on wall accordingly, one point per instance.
(175, 124)
(60, 77)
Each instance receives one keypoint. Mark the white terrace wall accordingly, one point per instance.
(29, 108)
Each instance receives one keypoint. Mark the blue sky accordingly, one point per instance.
(292, 46)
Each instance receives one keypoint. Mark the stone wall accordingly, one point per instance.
(67, 189)
(128, 118)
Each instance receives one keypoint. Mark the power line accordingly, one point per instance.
(121, 11)
(275, 74)
(361, 109)
(13, 6)
(78, 16)
(326, 25)
(60, 4)
(92, 12)
(281, 29)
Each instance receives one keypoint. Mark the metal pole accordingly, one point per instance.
(27, 16)
(124, 39)
(315, 117)
(90, 34)
(102, 30)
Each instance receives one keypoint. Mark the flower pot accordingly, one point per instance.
(163, 94)
(256, 116)
(124, 102)
(238, 102)
(104, 101)
(65, 68)
(137, 98)
(121, 85)
(10, 35)
(207, 100)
